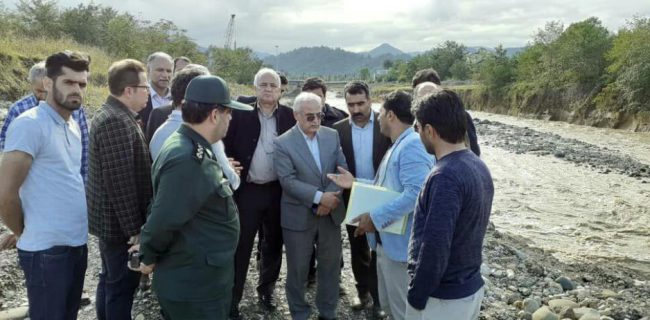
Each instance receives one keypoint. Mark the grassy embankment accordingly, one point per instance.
(18, 54)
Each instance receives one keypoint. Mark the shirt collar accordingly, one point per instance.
(52, 113)
(307, 138)
(193, 135)
(406, 132)
(176, 115)
(260, 112)
(370, 122)
(113, 101)
(154, 93)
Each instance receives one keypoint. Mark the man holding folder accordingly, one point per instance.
(403, 169)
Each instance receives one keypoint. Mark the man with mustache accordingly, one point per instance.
(332, 115)
(119, 185)
(160, 68)
(42, 196)
(363, 146)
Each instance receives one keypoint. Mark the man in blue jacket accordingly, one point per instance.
(450, 217)
(403, 169)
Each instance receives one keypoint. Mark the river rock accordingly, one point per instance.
(558, 304)
(591, 315)
(553, 289)
(15, 313)
(566, 283)
(567, 313)
(607, 294)
(531, 305)
(544, 313)
(580, 312)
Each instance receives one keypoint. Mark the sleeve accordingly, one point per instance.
(116, 154)
(471, 134)
(182, 190)
(428, 264)
(286, 172)
(85, 141)
(340, 162)
(219, 152)
(414, 166)
(13, 113)
(24, 134)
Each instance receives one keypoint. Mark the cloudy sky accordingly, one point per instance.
(410, 25)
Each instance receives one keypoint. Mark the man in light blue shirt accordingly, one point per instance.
(403, 169)
(42, 199)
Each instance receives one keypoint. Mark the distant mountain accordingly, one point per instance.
(261, 55)
(384, 49)
(327, 61)
(509, 51)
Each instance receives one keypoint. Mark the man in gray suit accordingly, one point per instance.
(311, 206)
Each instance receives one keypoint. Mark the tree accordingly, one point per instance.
(364, 74)
(40, 18)
(497, 70)
(239, 65)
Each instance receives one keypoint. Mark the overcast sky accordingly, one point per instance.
(410, 25)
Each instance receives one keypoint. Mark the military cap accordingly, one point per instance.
(212, 90)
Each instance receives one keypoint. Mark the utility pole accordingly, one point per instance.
(277, 59)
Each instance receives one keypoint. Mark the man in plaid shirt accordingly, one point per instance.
(36, 74)
(119, 185)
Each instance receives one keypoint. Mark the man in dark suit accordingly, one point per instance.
(250, 141)
(332, 115)
(159, 71)
(311, 208)
(363, 146)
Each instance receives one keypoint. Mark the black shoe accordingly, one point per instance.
(267, 301)
(360, 302)
(323, 318)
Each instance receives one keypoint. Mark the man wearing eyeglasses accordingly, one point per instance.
(159, 70)
(119, 185)
(250, 141)
(312, 211)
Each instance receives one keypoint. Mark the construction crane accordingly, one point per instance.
(230, 42)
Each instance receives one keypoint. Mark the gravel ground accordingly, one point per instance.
(522, 281)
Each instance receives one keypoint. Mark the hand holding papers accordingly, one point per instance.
(366, 197)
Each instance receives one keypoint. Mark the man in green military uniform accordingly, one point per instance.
(191, 235)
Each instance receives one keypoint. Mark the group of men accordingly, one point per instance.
(176, 179)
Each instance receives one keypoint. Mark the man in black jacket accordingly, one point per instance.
(317, 87)
(250, 141)
(363, 146)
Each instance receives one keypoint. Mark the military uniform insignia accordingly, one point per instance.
(199, 152)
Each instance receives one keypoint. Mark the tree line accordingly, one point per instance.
(610, 70)
(121, 35)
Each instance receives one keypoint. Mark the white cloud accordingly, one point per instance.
(411, 25)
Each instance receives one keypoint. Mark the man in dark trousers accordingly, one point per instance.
(119, 185)
(363, 146)
(430, 75)
(450, 217)
(250, 141)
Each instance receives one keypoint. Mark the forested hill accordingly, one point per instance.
(326, 61)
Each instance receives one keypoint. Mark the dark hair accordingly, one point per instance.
(313, 84)
(75, 60)
(283, 80)
(356, 87)
(443, 111)
(181, 58)
(425, 75)
(124, 73)
(196, 112)
(181, 80)
(400, 103)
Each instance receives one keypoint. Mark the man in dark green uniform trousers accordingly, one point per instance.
(191, 235)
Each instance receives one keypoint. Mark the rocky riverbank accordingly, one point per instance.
(524, 278)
